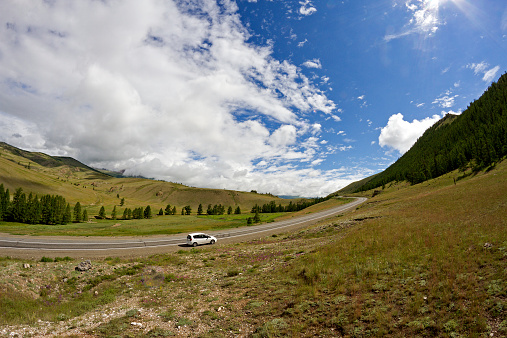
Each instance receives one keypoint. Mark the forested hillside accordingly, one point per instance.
(477, 137)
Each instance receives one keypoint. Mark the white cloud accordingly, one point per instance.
(336, 118)
(307, 8)
(482, 68)
(445, 100)
(424, 20)
(154, 88)
(315, 63)
(302, 43)
(401, 135)
(490, 75)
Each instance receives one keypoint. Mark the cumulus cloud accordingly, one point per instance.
(401, 135)
(170, 90)
(307, 8)
(315, 63)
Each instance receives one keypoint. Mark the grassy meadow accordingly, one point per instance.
(413, 261)
(93, 189)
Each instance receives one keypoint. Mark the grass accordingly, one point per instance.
(423, 260)
(159, 225)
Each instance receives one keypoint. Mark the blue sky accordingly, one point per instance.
(287, 97)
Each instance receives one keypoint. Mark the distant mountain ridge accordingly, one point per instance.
(42, 174)
(477, 138)
(44, 159)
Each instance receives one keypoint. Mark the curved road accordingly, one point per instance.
(27, 246)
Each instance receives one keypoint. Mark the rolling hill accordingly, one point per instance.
(475, 139)
(42, 174)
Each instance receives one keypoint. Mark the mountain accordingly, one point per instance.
(477, 138)
(43, 174)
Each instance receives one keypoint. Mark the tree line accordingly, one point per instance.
(477, 138)
(272, 207)
(48, 209)
(54, 209)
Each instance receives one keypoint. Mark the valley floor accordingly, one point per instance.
(423, 260)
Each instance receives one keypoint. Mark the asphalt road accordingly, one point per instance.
(81, 247)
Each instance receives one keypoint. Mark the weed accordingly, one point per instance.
(184, 322)
(167, 315)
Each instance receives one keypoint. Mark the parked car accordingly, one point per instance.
(199, 238)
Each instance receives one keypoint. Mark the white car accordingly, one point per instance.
(199, 238)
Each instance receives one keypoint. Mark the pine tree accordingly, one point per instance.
(147, 212)
(18, 206)
(161, 212)
(77, 213)
(229, 210)
(257, 218)
(85, 216)
(237, 211)
(168, 210)
(174, 210)
(2, 202)
(113, 213)
(102, 213)
(67, 215)
(199, 210)
(122, 202)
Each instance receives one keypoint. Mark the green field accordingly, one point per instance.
(159, 225)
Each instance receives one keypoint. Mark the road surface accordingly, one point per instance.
(32, 247)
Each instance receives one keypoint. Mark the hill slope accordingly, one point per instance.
(478, 135)
(42, 174)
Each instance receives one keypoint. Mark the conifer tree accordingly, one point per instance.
(199, 209)
(77, 213)
(85, 216)
(67, 216)
(147, 212)
(18, 206)
(113, 213)
(102, 212)
(256, 218)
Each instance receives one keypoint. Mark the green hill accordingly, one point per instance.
(477, 138)
(42, 174)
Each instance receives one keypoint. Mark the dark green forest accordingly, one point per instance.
(477, 138)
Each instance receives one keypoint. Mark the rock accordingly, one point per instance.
(26, 266)
(84, 266)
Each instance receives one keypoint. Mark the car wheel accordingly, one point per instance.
(195, 244)
(212, 241)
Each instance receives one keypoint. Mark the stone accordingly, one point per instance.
(84, 266)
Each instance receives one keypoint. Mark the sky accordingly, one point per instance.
(293, 98)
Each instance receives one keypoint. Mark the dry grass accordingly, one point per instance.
(425, 260)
